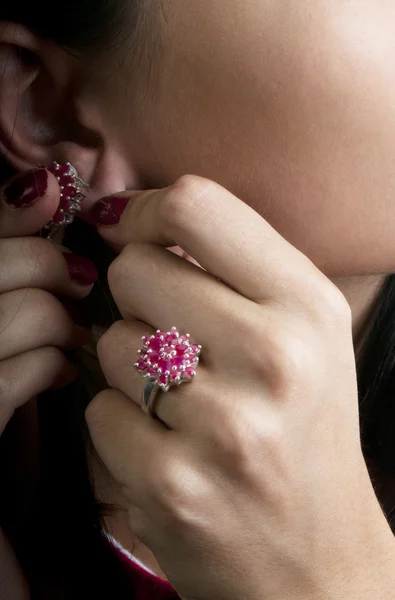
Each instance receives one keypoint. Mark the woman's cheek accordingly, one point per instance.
(316, 139)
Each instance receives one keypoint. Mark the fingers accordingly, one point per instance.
(35, 262)
(151, 284)
(31, 318)
(222, 233)
(30, 373)
(27, 203)
(126, 440)
(183, 408)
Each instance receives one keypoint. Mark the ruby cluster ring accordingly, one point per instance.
(166, 359)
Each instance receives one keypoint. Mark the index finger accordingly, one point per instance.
(223, 234)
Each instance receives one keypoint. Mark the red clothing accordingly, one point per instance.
(146, 585)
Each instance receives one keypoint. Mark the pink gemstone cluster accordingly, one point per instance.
(70, 194)
(168, 358)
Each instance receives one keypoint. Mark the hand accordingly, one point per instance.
(34, 325)
(253, 483)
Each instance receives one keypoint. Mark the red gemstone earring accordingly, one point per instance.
(71, 197)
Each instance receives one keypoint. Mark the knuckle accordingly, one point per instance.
(248, 440)
(122, 268)
(287, 359)
(116, 270)
(184, 204)
(50, 355)
(43, 304)
(96, 410)
(47, 313)
(331, 306)
(192, 186)
(163, 482)
(176, 501)
(109, 342)
(234, 436)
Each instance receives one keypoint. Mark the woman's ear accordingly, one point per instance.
(19, 68)
(38, 119)
(49, 113)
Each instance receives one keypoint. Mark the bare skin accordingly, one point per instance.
(288, 105)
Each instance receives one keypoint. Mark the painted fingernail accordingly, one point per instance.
(81, 269)
(108, 211)
(28, 188)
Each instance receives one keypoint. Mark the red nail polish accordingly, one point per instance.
(108, 211)
(81, 269)
(28, 188)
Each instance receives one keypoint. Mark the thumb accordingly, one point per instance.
(28, 202)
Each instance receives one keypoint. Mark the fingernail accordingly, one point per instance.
(81, 269)
(78, 313)
(108, 211)
(28, 188)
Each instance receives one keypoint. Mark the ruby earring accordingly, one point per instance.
(71, 196)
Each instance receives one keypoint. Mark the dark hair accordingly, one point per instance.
(376, 395)
(73, 555)
(79, 25)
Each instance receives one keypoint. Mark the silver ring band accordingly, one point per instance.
(150, 392)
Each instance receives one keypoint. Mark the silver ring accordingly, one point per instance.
(165, 360)
(150, 392)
